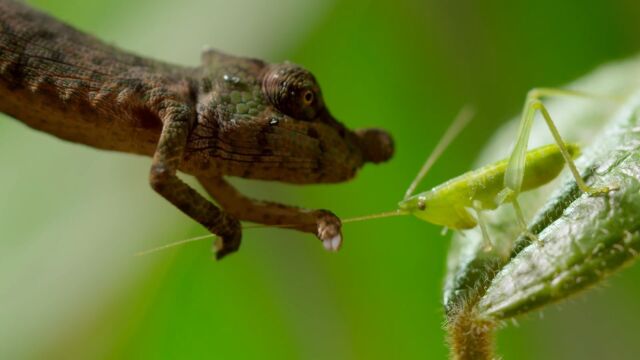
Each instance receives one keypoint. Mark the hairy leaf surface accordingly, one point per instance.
(582, 238)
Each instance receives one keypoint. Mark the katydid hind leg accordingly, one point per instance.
(567, 157)
(514, 173)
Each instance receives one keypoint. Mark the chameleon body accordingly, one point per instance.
(231, 116)
(483, 188)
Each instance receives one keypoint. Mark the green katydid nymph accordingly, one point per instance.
(449, 204)
(459, 203)
(454, 203)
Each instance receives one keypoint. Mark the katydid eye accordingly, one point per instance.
(422, 205)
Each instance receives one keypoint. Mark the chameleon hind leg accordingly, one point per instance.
(515, 169)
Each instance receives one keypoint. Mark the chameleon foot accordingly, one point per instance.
(228, 243)
(329, 227)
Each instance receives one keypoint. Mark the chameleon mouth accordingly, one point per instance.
(376, 144)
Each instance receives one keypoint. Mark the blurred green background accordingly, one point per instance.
(71, 217)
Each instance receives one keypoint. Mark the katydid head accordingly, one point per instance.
(436, 208)
(273, 117)
(419, 205)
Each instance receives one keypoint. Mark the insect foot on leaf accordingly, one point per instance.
(533, 238)
(600, 191)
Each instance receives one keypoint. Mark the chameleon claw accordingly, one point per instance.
(328, 230)
(333, 244)
(217, 244)
(229, 242)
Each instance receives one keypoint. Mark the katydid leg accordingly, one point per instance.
(515, 169)
(477, 206)
(522, 222)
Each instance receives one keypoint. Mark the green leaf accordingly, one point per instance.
(582, 238)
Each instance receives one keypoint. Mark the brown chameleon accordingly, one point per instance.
(231, 116)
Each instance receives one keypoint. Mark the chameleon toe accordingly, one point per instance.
(333, 244)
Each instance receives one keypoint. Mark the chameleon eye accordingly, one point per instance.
(293, 91)
(308, 97)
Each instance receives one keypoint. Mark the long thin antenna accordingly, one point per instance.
(259, 226)
(462, 119)
(177, 243)
(375, 216)
(202, 237)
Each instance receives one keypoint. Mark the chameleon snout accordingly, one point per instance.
(376, 144)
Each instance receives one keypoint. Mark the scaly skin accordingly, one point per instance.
(229, 117)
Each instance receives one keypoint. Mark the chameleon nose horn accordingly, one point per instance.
(376, 144)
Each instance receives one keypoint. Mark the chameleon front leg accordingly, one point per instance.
(177, 120)
(514, 174)
(322, 223)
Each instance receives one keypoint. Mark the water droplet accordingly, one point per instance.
(230, 78)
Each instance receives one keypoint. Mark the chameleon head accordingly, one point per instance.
(276, 114)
